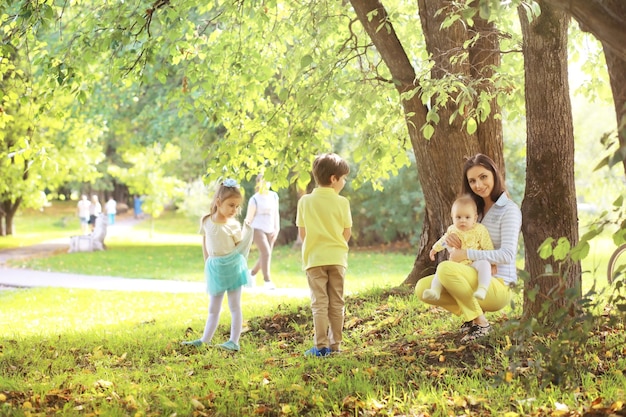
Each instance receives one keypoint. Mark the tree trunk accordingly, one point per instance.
(617, 74)
(8, 209)
(436, 159)
(549, 206)
(606, 19)
(484, 58)
(439, 160)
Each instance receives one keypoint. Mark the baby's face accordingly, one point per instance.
(464, 217)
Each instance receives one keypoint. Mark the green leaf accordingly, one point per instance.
(471, 126)
(306, 61)
(283, 94)
(561, 249)
(580, 251)
(428, 131)
(432, 116)
(545, 250)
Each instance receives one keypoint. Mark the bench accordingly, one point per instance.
(91, 242)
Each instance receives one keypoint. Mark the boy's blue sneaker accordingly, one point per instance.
(318, 352)
(230, 345)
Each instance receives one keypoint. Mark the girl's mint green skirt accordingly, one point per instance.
(229, 272)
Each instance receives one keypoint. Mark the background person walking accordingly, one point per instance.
(264, 217)
(111, 209)
(83, 214)
(95, 208)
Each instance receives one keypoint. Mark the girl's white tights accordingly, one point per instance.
(215, 307)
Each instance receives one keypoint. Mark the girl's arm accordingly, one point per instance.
(205, 253)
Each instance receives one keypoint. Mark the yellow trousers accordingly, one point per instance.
(459, 283)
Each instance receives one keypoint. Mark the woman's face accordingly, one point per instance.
(480, 180)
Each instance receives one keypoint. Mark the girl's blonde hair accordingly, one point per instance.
(227, 189)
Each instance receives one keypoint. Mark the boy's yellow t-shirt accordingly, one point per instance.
(324, 214)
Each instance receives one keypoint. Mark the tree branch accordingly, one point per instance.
(606, 20)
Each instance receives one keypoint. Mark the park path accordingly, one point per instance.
(15, 278)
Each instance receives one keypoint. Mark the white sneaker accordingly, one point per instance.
(269, 285)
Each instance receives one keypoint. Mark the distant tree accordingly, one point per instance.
(39, 148)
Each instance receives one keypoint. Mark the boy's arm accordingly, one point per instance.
(302, 232)
(347, 232)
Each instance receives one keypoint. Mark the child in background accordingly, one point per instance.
(325, 224)
(225, 249)
(473, 235)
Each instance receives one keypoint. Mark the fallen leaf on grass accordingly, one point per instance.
(457, 350)
(197, 404)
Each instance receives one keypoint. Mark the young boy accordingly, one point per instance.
(325, 224)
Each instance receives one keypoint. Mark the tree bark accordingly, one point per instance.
(605, 19)
(439, 160)
(8, 210)
(549, 206)
(617, 74)
(484, 58)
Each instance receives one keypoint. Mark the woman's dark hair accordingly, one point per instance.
(498, 185)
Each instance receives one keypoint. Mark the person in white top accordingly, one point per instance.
(95, 208)
(111, 209)
(264, 217)
(83, 213)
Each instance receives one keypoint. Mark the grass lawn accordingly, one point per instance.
(110, 353)
(35, 226)
(84, 352)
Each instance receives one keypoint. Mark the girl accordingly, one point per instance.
(225, 251)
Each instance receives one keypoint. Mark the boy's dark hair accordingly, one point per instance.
(327, 165)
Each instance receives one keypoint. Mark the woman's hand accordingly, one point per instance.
(457, 255)
(453, 241)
